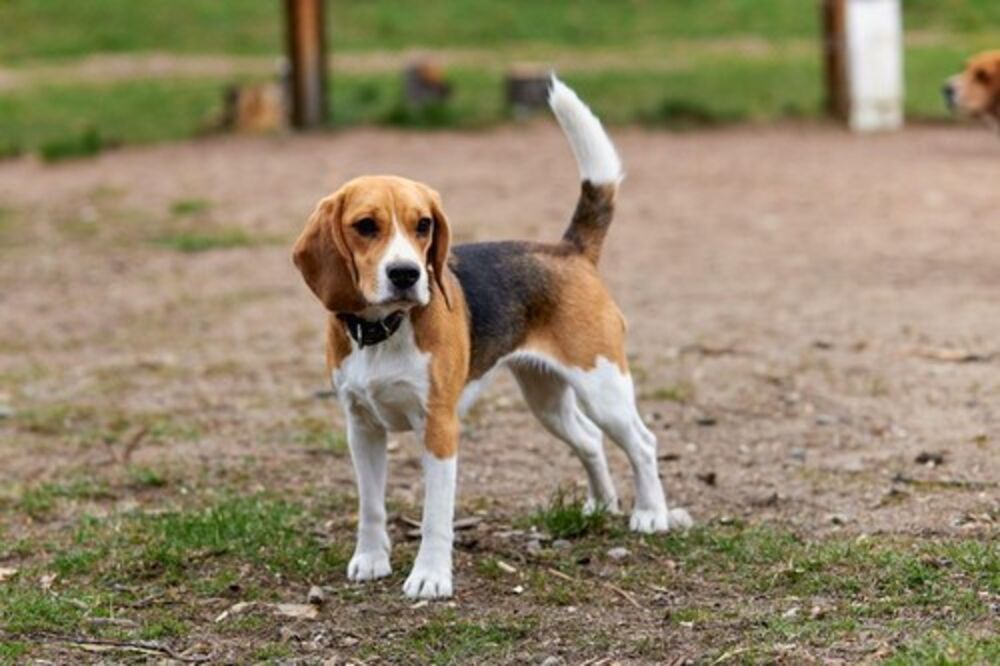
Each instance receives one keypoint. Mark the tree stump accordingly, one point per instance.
(424, 84)
(527, 91)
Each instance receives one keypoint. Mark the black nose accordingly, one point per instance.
(403, 276)
(948, 91)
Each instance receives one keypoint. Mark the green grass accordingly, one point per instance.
(446, 639)
(68, 28)
(12, 651)
(565, 518)
(186, 207)
(949, 648)
(76, 119)
(204, 241)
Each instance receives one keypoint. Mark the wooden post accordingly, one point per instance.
(307, 56)
(837, 100)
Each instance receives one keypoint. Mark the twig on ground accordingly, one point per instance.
(133, 443)
(623, 594)
(91, 644)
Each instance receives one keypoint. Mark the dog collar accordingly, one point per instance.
(367, 333)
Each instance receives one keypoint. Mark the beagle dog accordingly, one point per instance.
(976, 90)
(416, 327)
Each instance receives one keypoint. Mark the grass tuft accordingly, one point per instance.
(87, 143)
(186, 207)
(566, 518)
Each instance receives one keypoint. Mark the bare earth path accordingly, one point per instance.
(809, 313)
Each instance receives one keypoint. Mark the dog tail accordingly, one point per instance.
(600, 170)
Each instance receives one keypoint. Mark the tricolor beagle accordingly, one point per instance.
(976, 90)
(416, 327)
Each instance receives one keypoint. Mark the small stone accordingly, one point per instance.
(825, 419)
(618, 553)
(6, 411)
(817, 613)
(518, 589)
(838, 519)
(552, 661)
(561, 544)
(797, 454)
(792, 612)
(316, 595)
(534, 546)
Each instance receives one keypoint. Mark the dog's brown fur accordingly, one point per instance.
(975, 91)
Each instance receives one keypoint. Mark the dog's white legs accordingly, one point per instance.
(368, 451)
(554, 404)
(608, 397)
(431, 574)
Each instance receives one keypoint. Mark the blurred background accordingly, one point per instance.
(78, 75)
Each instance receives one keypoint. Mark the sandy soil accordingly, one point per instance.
(810, 312)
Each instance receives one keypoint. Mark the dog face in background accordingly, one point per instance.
(976, 90)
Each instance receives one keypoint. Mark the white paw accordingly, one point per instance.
(368, 566)
(648, 521)
(428, 582)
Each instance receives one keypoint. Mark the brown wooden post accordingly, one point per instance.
(307, 57)
(835, 58)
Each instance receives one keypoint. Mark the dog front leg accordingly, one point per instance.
(367, 441)
(431, 575)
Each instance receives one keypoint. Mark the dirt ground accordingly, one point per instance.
(813, 328)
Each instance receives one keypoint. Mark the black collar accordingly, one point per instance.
(367, 333)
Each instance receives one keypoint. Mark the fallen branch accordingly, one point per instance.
(99, 644)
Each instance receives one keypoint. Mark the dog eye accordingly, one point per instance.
(982, 76)
(366, 227)
(424, 226)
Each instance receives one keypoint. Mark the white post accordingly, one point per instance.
(875, 64)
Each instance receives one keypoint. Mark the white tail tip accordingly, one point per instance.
(595, 154)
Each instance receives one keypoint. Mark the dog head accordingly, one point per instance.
(976, 90)
(375, 246)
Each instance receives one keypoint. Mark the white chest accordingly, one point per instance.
(388, 381)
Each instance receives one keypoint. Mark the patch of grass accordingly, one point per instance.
(24, 609)
(318, 434)
(948, 648)
(272, 653)
(74, 28)
(147, 477)
(186, 207)
(39, 501)
(204, 241)
(163, 626)
(12, 651)
(73, 119)
(447, 640)
(565, 517)
(255, 530)
(680, 393)
(87, 143)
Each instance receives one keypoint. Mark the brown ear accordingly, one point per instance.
(440, 248)
(326, 264)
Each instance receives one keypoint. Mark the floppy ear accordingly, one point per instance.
(440, 248)
(326, 264)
